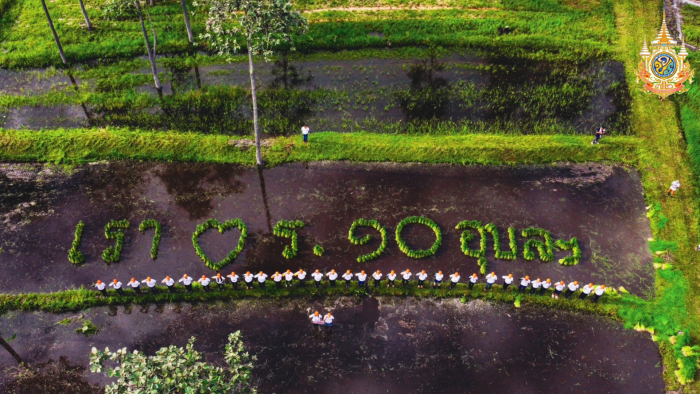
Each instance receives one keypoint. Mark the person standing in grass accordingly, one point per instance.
(507, 281)
(598, 292)
(535, 286)
(170, 282)
(332, 276)
(101, 287)
(573, 286)
(673, 188)
(361, 278)
(277, 278)
(454, 279)
(391, 279)
(133, 283)
(248, 279)
(305, 133)
(545, 286)
(261, 277)
(301, 275)
(219, 281)
(377, 276)
(422, 276)
(117, 286)
(587, 289)
(598, 136)
(347, 276)
(288, 276)
(187, 281)
(558, 288)
(406, 275)
(472, 280)
(318, 277)
(490, 280)
(438, 279)
(234, 280)
(204, 281)
(151, 283)
(524, 283)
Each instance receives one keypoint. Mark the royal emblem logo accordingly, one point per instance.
(664, 71)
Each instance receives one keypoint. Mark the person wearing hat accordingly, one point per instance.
(545, 286)
(151, 283)
(332, 277)
(347, 276)
(472, 280)
(524, 283)
(328, 321)
(101, 287)
(170, 282)
(586, 290)
(558, 288)
(490, 280)
(301, 275)
(536, 285)
(117, 286)
(133, 283)
(234, 280)
(438, 279)
(573, 286)
(187, 281)
(288, 276)
(507, 281)
(377, 279)
(261, 276)
(674, 186)
(204, 281)
(422, 276)
(598, 292)
(361, 278)
(219, 281)
(277, 278)
(406, 275)
(391, 279)
(454, 279)
(316, 320)
(248, 279)
(318, 277)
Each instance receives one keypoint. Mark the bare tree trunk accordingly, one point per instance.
(85, 15)
(187, 21)
(251, 68)
(9, 348)
(151, 56)
(55, 35)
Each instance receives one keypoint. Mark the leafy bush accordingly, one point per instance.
(361, 241)
(467, 236)
(152, 223)
(573, 247)
(318, 250)
(286, 228)
(119, 10)
(113, 253)
(222, 227)
(74, 255)
(507, 255)
(545, 249)
(87, 329)
(418, 254)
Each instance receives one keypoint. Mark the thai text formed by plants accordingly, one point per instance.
(222, 227)
(363, 240)
(148, 224)
(545, 249)
(115, 230)
(418, 254)
(467, 236)
(74, 255)
(287, 229)
(573, 247)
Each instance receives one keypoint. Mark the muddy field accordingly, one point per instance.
(602, 206)
(376, 345)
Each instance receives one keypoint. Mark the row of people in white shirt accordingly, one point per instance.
(536, 286)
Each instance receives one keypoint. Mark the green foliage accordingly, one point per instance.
(116, 10)
(152, 223)
(222, 227)
(467, 236)
(418, 254)
(545, 249)
(115, 230)
(74, 255)
(571, 245)
(87, 328)
(361, 241)
(287, 229)
(512, 254)
(318, 250)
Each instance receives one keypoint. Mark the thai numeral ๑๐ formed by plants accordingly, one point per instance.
(74, 255)
(115, 229)
(573, 247)
(152, 223)
(418, 254)
(545, 249)
(286, 228)
(222, 227)
(363, 240)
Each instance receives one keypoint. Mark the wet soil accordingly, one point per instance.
(602, 206)
(376, 345)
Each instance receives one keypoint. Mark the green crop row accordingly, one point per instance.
(222, 227)
(287, 229)
(418, 254)
(115, 230)
(573, 247)
(148, 224)
(361, 241)
(546, 249)
(74, 255)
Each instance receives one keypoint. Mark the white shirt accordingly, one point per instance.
(391, 276)
(573, 287)
(234, 278)
(473, 279)
(117, 285)
(328, 319)
(438, 277)
(454, 278)
(316, 319)
(422, 276)
(361, 277)
(317, 276)
(288, 276)
(218, 279)
(100, 286)
(508, 279)
(277, 277)
(305, 130)
(332, 275)
(150, 283)
(491, 278)
(204, 281)
(675, 185)
(133, 284)
(248, 277)
(168, 282)
(347, 276)
(546, 284)
(536, 284)
(559, 286)
(599, 291)
(186, 281)
(261, 277)
(301, 275)
(377, 276)
(406, 275)
(524, 282)
(587, 289)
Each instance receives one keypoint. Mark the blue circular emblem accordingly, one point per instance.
(663, 65)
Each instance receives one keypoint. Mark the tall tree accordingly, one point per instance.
(85, 15)
(266, 25)
(151, 53)
(55, 35)
(187, 21)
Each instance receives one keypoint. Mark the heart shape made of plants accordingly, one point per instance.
(222, 227)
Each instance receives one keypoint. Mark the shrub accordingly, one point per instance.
(152, 223)
(545, 249)
(113, 253)
(87, 329)
(318, 250)
(74, 255)
(222, 227)
(286, 228)
(573, 247)
(507, 255)
(418, 254)
(361, 241)
(467, 236)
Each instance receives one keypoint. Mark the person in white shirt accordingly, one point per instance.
(545, 286)
(472, 280)
(361, 278)
(316, 320)
(318, 277)
(573, 286)
(234, 280)
(151, 283)
(219, 281)
(507, 281)
(328, 321)
(117, 286)
(134, 284)
(377, 278)
(348, 278)
(332, 276)
(288, 276)
(248, 279)
(599, 291)
(438, 279)
(187, 281)
(301, 275)
(261, 276)
(277, 278)
(558, 288)
(422, 276)
(101, 287)
(391, 279)
(536, 285)
(524, 283)
(587, 289)
(490, 280)
(406, 275)
(454, 279)
(170, 282)
(305, 133)
(204, 281)
(674, 186)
